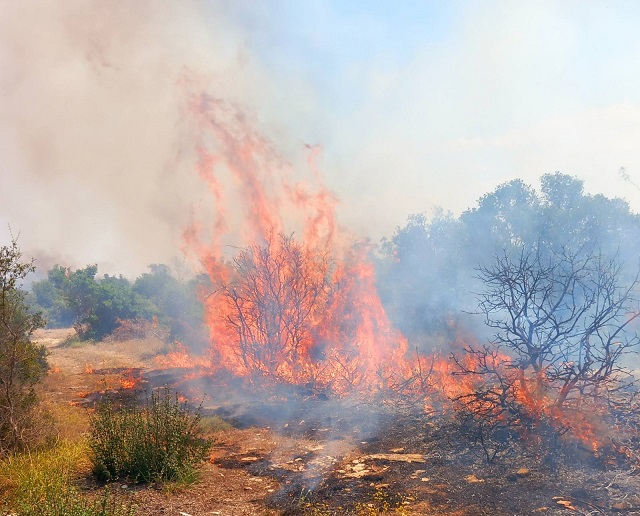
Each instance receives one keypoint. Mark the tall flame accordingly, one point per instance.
(342, 337)
(297, 304)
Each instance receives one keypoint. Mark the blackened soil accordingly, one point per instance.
(362, 460)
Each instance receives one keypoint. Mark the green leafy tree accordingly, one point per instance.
(93, 306)
(429, 271)
(22, 363)
(421, 281)
(177, 301)
(48, 296)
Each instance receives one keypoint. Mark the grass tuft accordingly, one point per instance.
(42, 482)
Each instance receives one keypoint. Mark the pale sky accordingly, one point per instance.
(416, 104)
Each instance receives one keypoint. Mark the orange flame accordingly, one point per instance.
(344, 341)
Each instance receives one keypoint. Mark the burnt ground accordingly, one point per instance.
(323, 457)
(415, 465)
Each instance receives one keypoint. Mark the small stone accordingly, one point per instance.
(523, 472)
(425, 479)
(472, 479)
(619, 507)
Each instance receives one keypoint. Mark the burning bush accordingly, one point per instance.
(283, 313)
(563, 319)
(274, 304)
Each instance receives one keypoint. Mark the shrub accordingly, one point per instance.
(157, 442)
(22, 363)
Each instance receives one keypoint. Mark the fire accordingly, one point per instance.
(130, 379)
(181, 357)
(302, 312)
(298, 303)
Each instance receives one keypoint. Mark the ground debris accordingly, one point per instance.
(396, 457)
(564, 503)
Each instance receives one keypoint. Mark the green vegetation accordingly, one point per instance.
(22, 363)
(160, 441)
(427, 273)
(95, 307)
(42, 482)
(177, 304)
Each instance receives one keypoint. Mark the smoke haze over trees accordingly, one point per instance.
(430, 266)
(427, 272)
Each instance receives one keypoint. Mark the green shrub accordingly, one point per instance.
(69, 502)
(156, 442)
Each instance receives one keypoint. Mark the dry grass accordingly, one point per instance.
(31, 477)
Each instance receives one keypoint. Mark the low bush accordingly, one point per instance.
(158, 441)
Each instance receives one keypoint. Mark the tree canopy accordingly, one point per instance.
(429, 277)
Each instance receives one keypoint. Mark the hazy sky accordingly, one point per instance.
(416, 104)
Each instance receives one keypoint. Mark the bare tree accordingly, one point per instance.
(562, 327)
(563, 317)
(275, 300)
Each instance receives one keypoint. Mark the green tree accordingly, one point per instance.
(22, 363)
(48, 296)
(178, 306)
(114, 300)
(428, 274)
(421, 281)
(93, 306)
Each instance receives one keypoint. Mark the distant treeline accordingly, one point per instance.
(96, 306)
(427, 271)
